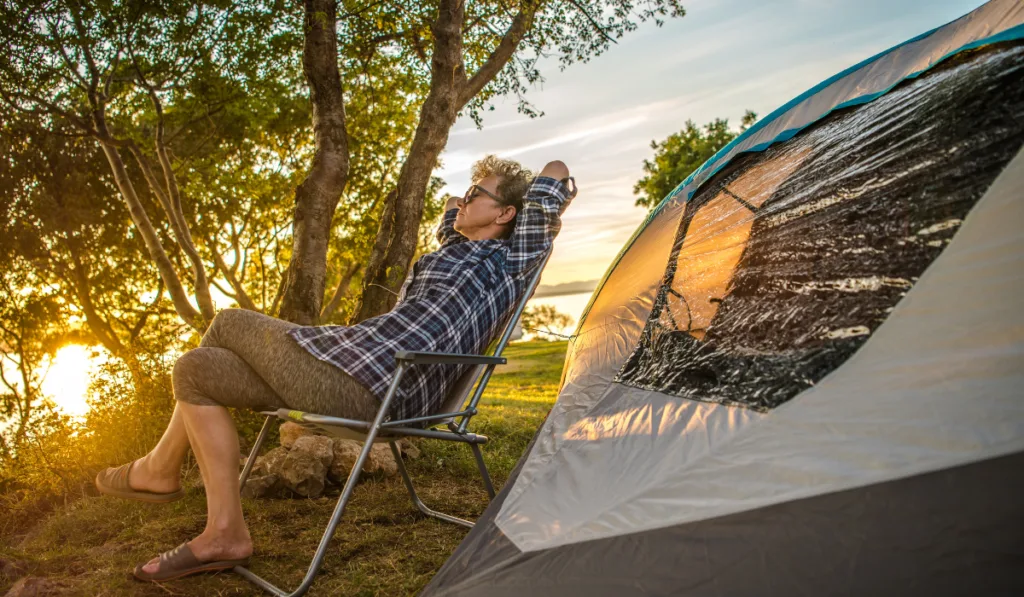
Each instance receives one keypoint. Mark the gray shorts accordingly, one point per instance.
(247, 360)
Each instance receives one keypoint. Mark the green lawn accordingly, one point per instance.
(382, 547)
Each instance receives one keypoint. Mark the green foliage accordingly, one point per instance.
(74, 274)
(216, 88)
(222, 85)
(680, 154)
(210, 86)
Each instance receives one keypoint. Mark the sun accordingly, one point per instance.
(67, 381)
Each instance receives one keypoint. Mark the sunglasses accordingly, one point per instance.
(474, 191)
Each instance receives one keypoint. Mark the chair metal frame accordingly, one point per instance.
(381, 430)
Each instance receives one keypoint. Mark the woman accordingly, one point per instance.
(455, 300)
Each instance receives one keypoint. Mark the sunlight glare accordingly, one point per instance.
(67, 381)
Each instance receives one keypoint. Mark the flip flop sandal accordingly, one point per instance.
(114, 481)
(181, 562)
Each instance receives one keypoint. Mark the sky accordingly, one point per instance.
(722, 58)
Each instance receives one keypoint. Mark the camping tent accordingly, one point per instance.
(805, 372)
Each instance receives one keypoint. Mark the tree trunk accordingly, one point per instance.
(317, 196)
(450, 91)
(398, 234)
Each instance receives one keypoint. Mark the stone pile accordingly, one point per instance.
(306, 462)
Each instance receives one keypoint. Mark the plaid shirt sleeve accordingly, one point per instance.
(446, 233)
(538, 224)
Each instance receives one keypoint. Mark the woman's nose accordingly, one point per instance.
(461, 201)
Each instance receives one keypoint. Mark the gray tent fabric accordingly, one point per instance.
(615, 321)
(947, 353)
(938, 384)
(955, 531)
(807, 378)
(952, 532)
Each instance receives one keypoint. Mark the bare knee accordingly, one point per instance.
(185, 373)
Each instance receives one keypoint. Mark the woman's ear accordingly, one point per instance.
(508, 213)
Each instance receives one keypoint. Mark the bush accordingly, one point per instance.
(129, 407)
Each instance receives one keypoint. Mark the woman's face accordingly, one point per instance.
(480, 215)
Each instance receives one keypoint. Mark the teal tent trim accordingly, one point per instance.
(719, 161)
(759, 125)
(1008, 35)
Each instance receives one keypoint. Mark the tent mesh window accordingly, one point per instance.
(787, 260)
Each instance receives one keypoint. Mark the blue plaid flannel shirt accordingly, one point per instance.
(456, 299)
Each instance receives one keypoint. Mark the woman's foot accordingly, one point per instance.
(145, 477)
(207, 548)
(137, 481)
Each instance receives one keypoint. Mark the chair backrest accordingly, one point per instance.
(463, 387)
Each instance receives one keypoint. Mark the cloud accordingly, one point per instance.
(613, 125)
(468, 127)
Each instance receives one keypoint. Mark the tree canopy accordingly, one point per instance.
(681, 153)
(159, 156)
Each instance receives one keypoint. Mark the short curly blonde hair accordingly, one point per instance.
(515, 180)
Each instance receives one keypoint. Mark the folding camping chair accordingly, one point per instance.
(381, 430)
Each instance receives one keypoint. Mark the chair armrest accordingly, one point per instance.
(420, 358)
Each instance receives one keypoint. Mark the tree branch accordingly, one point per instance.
(172, 201)
(113, 69)
(137, 328)
(146, 229)
(76, 77)
(240, 295)
(597, 26)
(83, 44)
(504, 51)
(49, 108)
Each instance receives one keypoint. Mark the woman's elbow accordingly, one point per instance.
(556, 169)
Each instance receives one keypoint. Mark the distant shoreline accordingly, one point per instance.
(550, 290)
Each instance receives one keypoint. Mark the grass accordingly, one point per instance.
(383, 546)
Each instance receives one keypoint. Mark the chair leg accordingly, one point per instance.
(339, 509)
(251, 460)
(416, 499)
(332, 525)
(483, 469)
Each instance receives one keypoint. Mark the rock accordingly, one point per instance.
(318, 445)
(269, 463)
(409, 449)
(346, 452)
(31, 586)
(292, 431)
(381, 460)
(264, 486)
(303, 473)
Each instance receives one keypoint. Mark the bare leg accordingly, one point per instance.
(214, 440)
(223, 372)
(160, 470)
